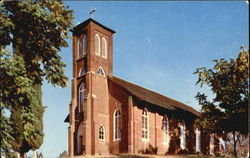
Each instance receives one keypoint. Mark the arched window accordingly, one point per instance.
(82, 46)
(82, 71)
(165, 128)
(198, 140)
(117, 124)
(182, 135)
(100, 71)
(211, 144)
(101, 132)
(145, 124)
(104, 48)
(82, 93)
(97, 45)
(79, 139)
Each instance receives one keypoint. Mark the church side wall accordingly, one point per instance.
(118, 100)
(155, 142)
(100, 110)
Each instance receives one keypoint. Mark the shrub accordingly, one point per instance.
(183, 151)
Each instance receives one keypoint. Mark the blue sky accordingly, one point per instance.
(157, 45)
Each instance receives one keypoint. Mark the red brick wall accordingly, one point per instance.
(97, 104)
(99, 88)
(156, 134)
(118, 100)
(95, 61)
(100, 112)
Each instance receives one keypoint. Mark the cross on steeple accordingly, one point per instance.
(92, 12)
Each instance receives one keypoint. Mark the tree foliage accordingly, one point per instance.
(63, 154)
(16, 91)
(32, 33)
(37, 31)
(28, 133)
(229, 81)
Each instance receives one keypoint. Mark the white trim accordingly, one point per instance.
(79, 95)
(104, 49)
(78, 46)
(197, 140)
(211, 144)
(85, 44)
(97, 47)
(101, 125)
(114, 125)
(143, 128)
(101, 70)
(79, 74)
(83, 41)
(182, 135)
(165, 131)
(94, 96)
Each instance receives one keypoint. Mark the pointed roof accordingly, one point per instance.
(153, 97)
(80, 26)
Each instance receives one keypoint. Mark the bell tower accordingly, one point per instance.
(89, 106)
(92, 42)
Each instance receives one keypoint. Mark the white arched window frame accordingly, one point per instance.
(182, 135)
(117, 125)
(211, 144)
(165, 128)
(100, 71)
(82, 71)
(82, 93)
(198, 140)
(82, 46)
(145, 125)
(97, 45)
(101, 132)
(104, 47)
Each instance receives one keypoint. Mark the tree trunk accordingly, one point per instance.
(235, 152)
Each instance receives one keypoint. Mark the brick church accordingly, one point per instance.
(109, 115)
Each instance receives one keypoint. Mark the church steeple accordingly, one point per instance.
(92, 41)
(92, 63)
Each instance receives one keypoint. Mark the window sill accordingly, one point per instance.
(101, 57)
(104, 57)
(81, 57)
(81, 76)
(145, 140)
(117, 140)
(102, 140)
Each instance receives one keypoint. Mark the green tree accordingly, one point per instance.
(16, 90)
(228, 111)
(63, 154)
(32, 33)
(28, 133)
